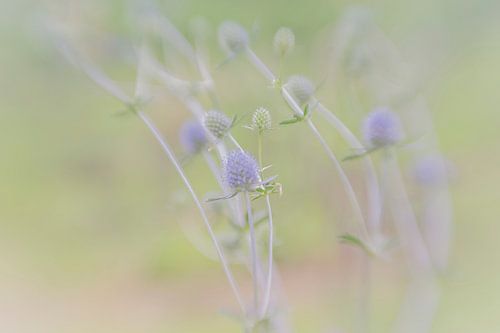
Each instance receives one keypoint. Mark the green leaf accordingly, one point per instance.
(291, 121)
(306, 110)
(356, 242)
(359, 155)
(232, 195)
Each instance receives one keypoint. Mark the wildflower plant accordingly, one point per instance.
(244, 184)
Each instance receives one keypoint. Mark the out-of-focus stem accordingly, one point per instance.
(168, 151)
(255, 60)
(266, 72)
(373, 188)
(253, 253)
(269, 281)
(345, 182)
(423, 294)
(268, 286)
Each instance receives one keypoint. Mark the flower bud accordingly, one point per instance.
(241, 170)
(382, 128)
(261, 120)
(284, 41)
(301, 89)
(431, 171)
(217, 123)
(233, 37)
(193, 137)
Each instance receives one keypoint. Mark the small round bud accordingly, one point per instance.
(233, 38)
(217, 123)
(430, 171)
(193, 137)
(301, 89)
(284, 41)
(382, 128)
(241, 170)
(261, 120)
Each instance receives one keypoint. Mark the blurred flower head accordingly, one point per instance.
(382, 127)
(284, 41)
(233, 38)
(193, 137)
(241, 170)
(301, 88)
(217, 123)
(430, 171)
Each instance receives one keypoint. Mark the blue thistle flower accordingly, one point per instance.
(193, 137)
(233, 37)
(382, 128)
(241, 171)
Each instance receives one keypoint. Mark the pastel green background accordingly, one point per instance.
(89, 241)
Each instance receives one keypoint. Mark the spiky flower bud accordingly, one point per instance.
(382, 128)
(193, 137)
(233, 38)
(241, 170)
(301, 88)
(284, 41)
(217, 123)
(261, 120)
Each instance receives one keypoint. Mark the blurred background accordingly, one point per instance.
(91, 212)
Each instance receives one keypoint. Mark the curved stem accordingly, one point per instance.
(255, 60)
(171, 156)
(351, 195)
(405, 220)
(253, 253)
(269, 281)
(267, 293)
(373, 187)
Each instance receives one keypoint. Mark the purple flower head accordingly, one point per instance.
(193, 136)
(430, 171)
(382, 128)
(241, 170)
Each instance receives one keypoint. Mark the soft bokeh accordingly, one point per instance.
(93, 216)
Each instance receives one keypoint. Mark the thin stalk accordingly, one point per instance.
(253, 253)
(373, 188)
(268, 287)
(422, 296)
(269, 281)
(233, 140)
(351, 195)
(255, 60)
(168, 151)
(405, 220)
